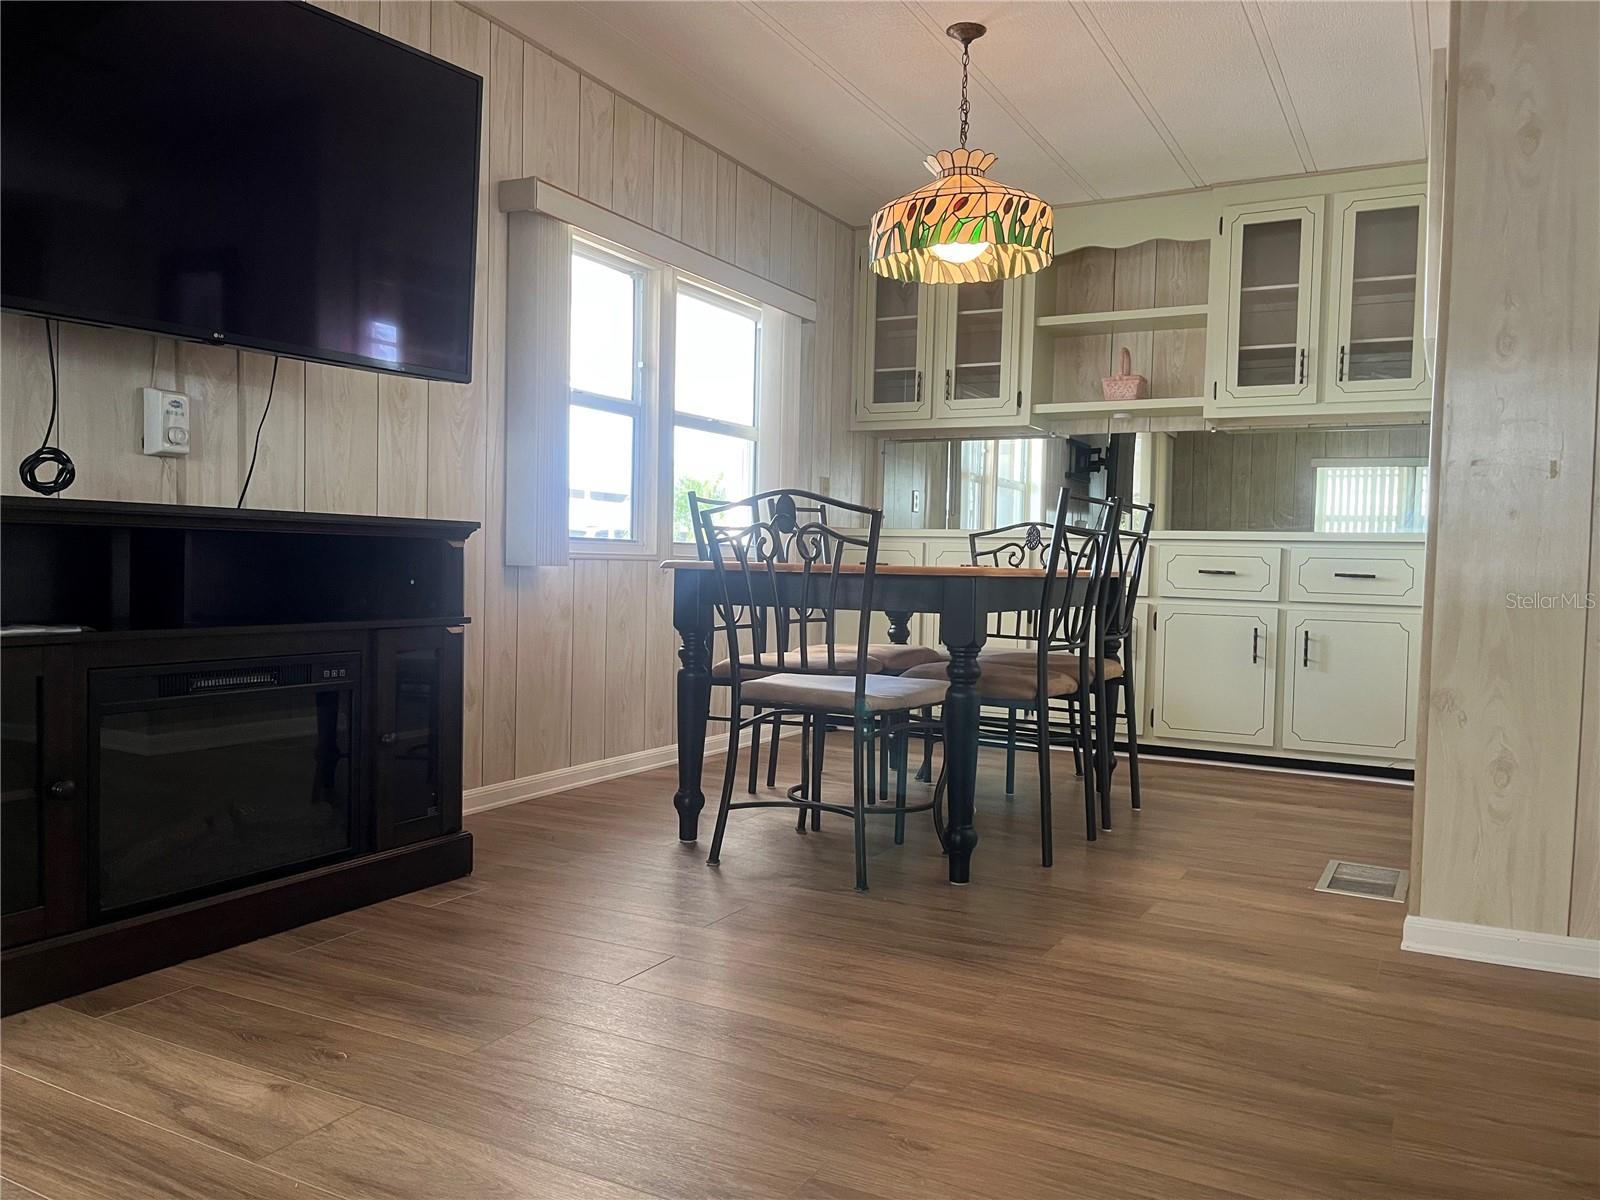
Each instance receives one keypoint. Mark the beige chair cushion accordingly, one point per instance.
(1005, 683)
(844, 660)
(896, 659)
(1066, 659)
(884, 693)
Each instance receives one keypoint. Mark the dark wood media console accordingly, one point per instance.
(230, 723)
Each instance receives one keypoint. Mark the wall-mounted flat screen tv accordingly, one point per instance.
(263, 175)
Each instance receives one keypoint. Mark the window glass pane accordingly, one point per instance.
(604, 328)
(716, 360)
(1372, 497)
(599, 474)
(712, 465)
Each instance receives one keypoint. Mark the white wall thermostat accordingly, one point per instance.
(166, 422)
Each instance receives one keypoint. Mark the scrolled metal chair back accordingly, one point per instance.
(1130, 541)
(792, 570)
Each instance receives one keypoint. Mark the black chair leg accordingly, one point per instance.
(883, 758)
(1130, 711)
(730, 769)
(862, 737)
(1104, 719)
(805, 773)
(1047, 837)
(925, 775)
(819, 740)
(1082, 753)
(1011, 752)
(755, 754)
(772, 755)
(902, 752)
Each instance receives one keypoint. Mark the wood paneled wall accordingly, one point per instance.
(1264, 480)
(565, 665)
(1508, 792)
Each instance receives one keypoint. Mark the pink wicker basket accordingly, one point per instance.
(1127, 385)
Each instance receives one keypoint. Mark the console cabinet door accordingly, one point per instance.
(977, 353)
(1274, 278)
(41, 795)
(1212, 673)
(416, 734)
(1351, 682)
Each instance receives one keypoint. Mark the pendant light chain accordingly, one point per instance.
(966, 108)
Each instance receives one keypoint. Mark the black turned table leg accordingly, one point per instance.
(692, 618)
(899, 627)
(962, 627)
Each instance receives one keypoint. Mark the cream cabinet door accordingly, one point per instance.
(1211, 676)
(896, 345)
(1375, 297)
(977, 353)
(1350, 683)
(1273, 291)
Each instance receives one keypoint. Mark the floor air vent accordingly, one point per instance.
(1359, 879)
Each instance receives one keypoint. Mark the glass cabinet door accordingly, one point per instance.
(979, 355)
(40, 802)
(898, 330)
(417, 730)
(1378, 313)
(1274, 255)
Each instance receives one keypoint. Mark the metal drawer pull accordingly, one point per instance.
(1213, 571)
(1255, 644)
(1354, 575)
(1305, 650)
(1302, 366)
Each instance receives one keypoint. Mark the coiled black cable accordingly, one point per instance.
(28, 470)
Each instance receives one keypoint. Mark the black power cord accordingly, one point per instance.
(28, 470)
(260, 425)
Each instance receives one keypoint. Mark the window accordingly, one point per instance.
(1001, 482)
(1372, 496)
(606, 379)
(715, 372)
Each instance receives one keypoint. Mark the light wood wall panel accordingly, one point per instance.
(543, 680)
(1514, 489)
(596, 139)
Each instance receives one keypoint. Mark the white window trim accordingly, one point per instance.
(658, 415)
(646, 432)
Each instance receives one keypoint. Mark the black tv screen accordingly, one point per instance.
(263, 175)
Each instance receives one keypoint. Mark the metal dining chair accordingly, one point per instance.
(1064, 649)
(795, 572)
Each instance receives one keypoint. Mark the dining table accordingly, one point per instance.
(966, 599)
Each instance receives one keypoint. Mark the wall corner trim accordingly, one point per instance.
(530, 787)
(1505, 947)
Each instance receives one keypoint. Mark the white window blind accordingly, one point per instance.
(1371, 496)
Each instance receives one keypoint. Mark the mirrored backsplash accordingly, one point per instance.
(1349, 481)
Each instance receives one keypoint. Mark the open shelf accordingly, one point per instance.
(1133, 320)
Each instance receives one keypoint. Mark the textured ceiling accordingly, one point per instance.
(839, 102)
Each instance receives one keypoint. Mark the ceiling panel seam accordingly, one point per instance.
(820, 63)
(776, 130)
(1092, 26)
(998, 95)
(1280, 85)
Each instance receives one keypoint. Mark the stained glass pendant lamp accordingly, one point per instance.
(963, 227)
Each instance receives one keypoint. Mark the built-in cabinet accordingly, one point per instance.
(939, 357)
(1237, 303)
(1278, 647)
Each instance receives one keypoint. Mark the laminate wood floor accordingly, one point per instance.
(1171, 1012)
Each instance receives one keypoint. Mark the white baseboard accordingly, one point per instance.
(1507, 947)
(512, 791)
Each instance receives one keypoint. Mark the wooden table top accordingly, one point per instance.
(952, 570)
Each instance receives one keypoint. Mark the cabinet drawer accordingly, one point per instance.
(1218, 571)
(1364, 575)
